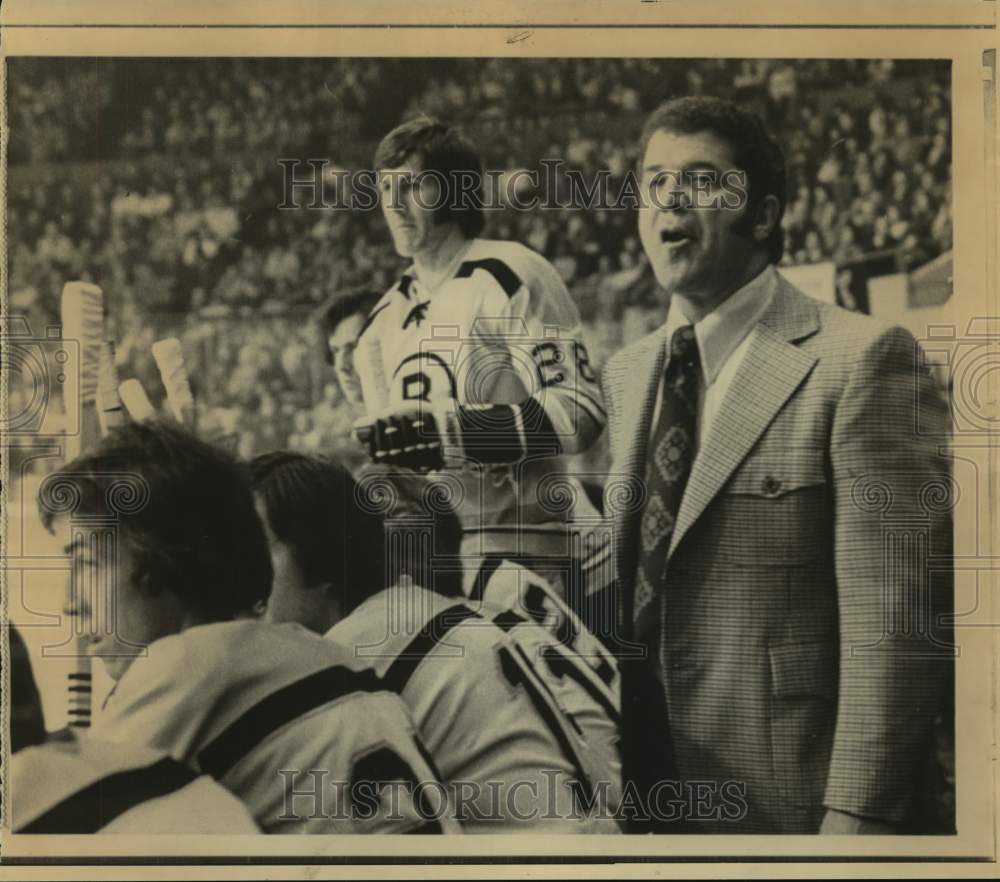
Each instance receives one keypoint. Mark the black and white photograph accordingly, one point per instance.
(528, 445)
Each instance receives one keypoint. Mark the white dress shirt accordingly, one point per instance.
(723, 337)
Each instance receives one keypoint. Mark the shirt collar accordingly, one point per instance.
(723, 329)
(404, 595)
(446, 274)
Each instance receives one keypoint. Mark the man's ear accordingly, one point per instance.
(767, 218)
(143, 582)
(334, 597)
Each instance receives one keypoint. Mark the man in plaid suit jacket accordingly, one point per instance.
(800, 653)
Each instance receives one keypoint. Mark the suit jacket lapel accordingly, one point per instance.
(644, 383)
(639, 386)
(771, 371)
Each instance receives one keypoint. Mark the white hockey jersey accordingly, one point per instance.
(513, 758)
(77, 784)
(500, 329)
(286, 721)
(580, 671)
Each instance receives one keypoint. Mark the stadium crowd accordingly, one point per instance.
(175, 213)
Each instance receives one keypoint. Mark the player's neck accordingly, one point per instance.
(434, 263)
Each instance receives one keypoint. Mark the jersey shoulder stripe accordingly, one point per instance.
(97, 805)
(371, 318)
(487, 570)
(402, 287)
(505, 277)
(403, 666)
(279, 708)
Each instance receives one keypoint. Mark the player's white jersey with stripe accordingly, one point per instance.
(75, 783)
(506, 748)
(500, 328)
(578, 668)
(510, 585)
(287, 722)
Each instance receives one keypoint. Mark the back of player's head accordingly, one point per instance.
(342, 307)
(26, 722)
(754, 150)
(184, 506)
(423, 531)
(447, 153)
(311, 505)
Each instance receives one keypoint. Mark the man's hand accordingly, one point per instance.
(408, 437)
(843, 824)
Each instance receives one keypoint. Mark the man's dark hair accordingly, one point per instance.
(754, 151)
(185, 507)
(27, 727)
(342, 306)
(312, 506)
(445, 150)
(422, 503)
(342, 535)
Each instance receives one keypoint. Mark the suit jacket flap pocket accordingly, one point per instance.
(804, 669)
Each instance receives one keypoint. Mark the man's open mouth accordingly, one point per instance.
(674, 236)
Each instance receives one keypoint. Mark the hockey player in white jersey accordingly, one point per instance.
(285, 720)
(70, 782)
(474, 360)
(577, 667)
(508, 746)
(590, 702)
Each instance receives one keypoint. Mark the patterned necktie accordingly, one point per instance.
(671, 453)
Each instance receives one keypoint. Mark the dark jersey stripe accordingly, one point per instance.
(508, 619)
(538, 429)
(404, 285)
(594, 402)
(402, 668)
(547, 710)
(279, 708)
(505, 276)
(560, 665)
(98, 804)
(491, 435)
(370, 319)
(486, 571)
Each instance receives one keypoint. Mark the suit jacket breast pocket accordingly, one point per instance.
(776, 510)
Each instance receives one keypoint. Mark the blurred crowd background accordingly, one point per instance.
(159, 181)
